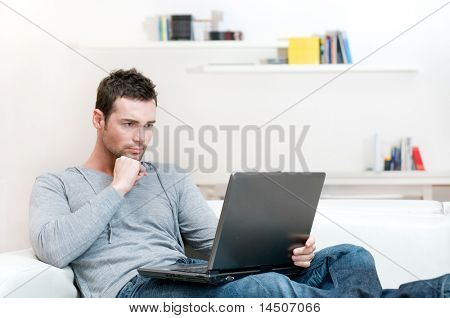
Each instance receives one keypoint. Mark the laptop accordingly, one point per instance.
(265, 216)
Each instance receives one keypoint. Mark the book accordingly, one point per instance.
(387, 163)
(417, 158)
(403, 154)
(333, 48)
(326, 50)
(163, 28)
(342, 47)
(339, 59)
(347, 48)
(181, 27)
(396, 158)
(409, 159)
(322, 50)
(200, 29)
(407, 163)
(304, 50)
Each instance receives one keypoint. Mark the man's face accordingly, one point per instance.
(129, 127)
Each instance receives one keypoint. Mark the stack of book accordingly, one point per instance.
(335, 48)
(331, 48)
(404, 157)
(226, 35)
(185, 27)
(175, 27)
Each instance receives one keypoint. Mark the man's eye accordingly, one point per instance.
(148, 126)
(129, 124)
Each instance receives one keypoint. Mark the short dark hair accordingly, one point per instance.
(123, 83)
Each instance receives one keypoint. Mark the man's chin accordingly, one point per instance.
(135, 156)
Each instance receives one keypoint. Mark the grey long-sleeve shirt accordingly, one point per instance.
(78, 219)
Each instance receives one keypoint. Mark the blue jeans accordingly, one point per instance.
(339, 271)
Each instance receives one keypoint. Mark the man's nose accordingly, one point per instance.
(138, 135)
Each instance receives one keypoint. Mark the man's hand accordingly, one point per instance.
(127, 173)
(303, 256)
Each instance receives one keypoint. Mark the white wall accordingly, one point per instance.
(48, 91)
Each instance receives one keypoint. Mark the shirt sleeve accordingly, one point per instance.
(198, 222)
(59, 235)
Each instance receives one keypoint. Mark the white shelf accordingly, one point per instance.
(196, 45)
(253, 68)
(284, 68)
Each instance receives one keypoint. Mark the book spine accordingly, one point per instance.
(333, 48)
(163, 28)
(322, 50)
(403, 154)
(392, 165)
(168, 29)
(342, 48)
(409, 160)
(160, 31)
(347, 48)
(417, 158)
(397, 159)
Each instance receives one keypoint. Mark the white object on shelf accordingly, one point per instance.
(374, 154)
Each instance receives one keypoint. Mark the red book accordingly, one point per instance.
(418, 163)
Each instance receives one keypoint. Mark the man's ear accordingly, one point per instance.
(98, 119)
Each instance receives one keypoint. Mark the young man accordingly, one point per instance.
(111, 216)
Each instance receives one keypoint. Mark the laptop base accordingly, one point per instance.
(210, 277)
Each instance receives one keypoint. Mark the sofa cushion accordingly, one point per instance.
(22, 275)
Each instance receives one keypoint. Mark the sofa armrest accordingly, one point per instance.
(23, 275)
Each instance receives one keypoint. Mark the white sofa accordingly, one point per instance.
(408, 239)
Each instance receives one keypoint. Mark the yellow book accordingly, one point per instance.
(305, 50)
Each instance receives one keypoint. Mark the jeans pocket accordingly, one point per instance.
(127, 290)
